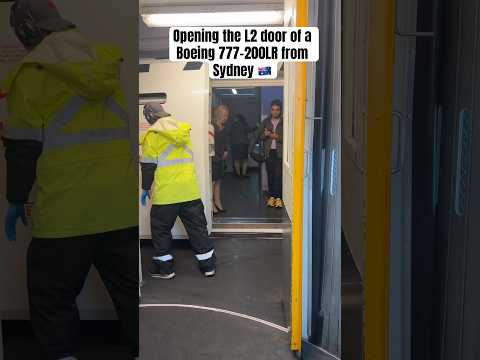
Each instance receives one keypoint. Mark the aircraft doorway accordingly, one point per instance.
(244, 186)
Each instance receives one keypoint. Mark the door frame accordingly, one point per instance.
(219, 83)
(381, 60)
(322, 281)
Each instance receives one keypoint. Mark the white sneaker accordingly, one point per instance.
(209, 273)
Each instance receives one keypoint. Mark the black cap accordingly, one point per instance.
(44, 13)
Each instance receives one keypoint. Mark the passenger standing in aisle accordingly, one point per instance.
(271, 132)
(167, 164)
(85, 209)
(238, 135)
(221, 152)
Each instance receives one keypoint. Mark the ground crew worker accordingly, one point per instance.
(167, 163)
(67, 129)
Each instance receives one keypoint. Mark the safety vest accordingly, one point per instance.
(67, 94)
(170, 149)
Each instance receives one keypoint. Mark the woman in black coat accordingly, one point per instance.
(221, 153)
(239, 131)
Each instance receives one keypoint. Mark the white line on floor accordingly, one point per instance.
(264, 322)
(328, 354)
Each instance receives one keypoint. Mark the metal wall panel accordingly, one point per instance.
(401, 183)
(354, 122)
(459, 231)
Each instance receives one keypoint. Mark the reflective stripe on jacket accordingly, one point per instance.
(167, 145)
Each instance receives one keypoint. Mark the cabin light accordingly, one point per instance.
(230, 18)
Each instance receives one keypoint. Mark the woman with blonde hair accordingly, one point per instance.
(220, 118)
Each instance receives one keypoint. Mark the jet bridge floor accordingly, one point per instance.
(238, 314)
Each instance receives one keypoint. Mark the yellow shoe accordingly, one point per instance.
(278, 203)
(271, 202)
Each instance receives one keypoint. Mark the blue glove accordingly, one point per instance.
(145, 195)
(14, 212)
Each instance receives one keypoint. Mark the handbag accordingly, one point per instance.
(258, 152)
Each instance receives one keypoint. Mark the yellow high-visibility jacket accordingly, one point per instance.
(167, 145)
(66, 93)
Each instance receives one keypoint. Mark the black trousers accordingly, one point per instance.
(274, 171)
(162, 220)
(57, 270)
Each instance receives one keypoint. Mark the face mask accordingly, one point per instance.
(22, 22)
(153, 111)
(149, 115)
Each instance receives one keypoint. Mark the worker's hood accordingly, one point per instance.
(174, 131)
(91, 71)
